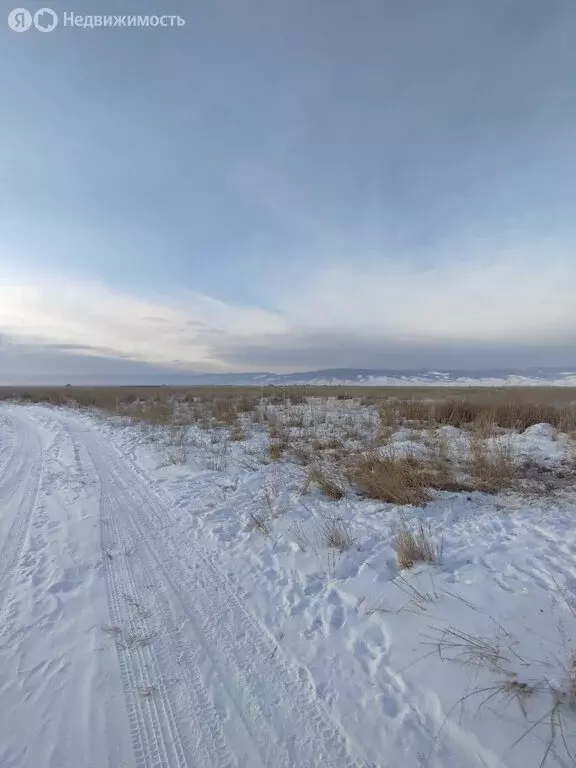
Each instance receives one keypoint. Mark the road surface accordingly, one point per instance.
(116, 651)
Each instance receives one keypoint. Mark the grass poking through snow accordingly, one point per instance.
(396, 479)
(415, 547)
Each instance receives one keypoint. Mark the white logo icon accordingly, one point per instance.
(45, 20)
(19, 20)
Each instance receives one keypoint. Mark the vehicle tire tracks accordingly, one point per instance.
(21, 482)
(286, 723)
(174, 724)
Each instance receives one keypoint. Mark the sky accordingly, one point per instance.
(285, 185)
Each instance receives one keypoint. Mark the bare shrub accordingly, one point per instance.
(396, 479)
(414, 547)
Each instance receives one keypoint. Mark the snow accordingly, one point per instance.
(144, 621)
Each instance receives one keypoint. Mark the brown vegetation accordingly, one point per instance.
(347, 431)
(396, 479)
(414, 547)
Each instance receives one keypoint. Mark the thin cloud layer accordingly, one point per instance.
(455, 315)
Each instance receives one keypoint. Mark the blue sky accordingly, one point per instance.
(288, 185)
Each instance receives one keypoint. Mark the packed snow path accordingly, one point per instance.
(114, 652)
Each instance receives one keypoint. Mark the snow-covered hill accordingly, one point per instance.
(368, 377)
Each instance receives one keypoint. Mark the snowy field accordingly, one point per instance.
(181, 592)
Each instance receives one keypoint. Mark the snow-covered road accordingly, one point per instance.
(114, 650)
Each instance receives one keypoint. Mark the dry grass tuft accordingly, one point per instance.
(415, 547)
(302, 455)
(327, 484)
(492, 465)
(224, 411)
(260, 522)
(237, 433)
(175, 448)
(464, 648)
(498, 656)
(276, 449)
(396, 479)
(218, 452)
(333, 532)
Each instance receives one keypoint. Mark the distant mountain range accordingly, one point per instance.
(349, 377)
(394, 378)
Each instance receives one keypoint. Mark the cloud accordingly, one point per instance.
(101, 321)
(41, 364)
(514, 307)
(313, 351)
(512, 297)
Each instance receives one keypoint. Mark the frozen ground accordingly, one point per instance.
(146, 622)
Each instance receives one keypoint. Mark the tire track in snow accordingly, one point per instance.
(147, 651)
(8, 442)
(285, 722)
(155, 735)
(20, 487)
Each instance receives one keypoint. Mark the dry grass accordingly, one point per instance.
(302, 455)
(396, 479)
(492, 465)
(218, 452)
(415, 547)
(333, 532)
(331, 444)
(155, 412)
(175, 448)
(445, 474)
(260, 522)
(237, 433)
(276, 449)
(498, 656)
(459, 646)
(344, 427)
(484, 410)
(327, 483)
